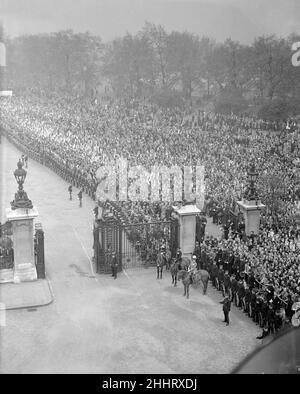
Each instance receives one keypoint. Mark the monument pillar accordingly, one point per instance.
(251, 211)
(187, 228)
(21, 215)
(23, 242)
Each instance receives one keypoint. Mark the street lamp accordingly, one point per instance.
(20, 175)
(252, 175)
(21, 199)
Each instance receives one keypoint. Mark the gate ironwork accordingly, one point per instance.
(39, 251)
(6, 246)
(135, 245)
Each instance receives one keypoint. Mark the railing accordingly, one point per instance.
(39, 251)
(6, 262)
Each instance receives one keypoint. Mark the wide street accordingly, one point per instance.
(135, 324)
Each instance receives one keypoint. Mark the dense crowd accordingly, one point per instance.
(78, 136)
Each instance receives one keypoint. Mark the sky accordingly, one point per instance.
(241, 20)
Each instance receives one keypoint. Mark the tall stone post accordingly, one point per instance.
(4, 92)
(251, 205)
(23, 241)
(21, 215)
(251, 211)
(187, 228)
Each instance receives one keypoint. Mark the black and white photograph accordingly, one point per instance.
(149, 190)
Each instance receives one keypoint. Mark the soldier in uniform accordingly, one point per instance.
(234, 287)
(247, 299)
(230, 262)
(192, 268)
(227, 282)
(114, 265)
(179, 253)
(252, 311)
(70, 190)
(197, 253)
(226, 309)
(241, 293)
(214, 274)
(264, 312)
(80, 198)
(221, 277)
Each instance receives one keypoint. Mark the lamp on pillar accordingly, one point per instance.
(251, 205)
(21, 199)
(251, 192)
(21, 215)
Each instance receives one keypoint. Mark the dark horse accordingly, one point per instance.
(160, 262)
(200, 276)
(177, 265)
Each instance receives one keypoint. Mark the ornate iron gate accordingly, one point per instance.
(6, 246)
(135, 245)
(39, 251)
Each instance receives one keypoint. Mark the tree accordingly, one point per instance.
(158, 39)
(128, 63)
(183, 60)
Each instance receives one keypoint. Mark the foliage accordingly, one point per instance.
(230, 101)
(167, 67)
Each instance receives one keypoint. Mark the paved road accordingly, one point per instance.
(135, 324)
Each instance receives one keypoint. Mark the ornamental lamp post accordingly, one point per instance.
(252, 176)
(21, 199)
(20, 175)
(251, 205)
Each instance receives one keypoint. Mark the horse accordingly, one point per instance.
(160, 262)
(174, 270)
(169, 259)
(199, 276)
(177, 265)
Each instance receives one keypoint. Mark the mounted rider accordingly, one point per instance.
(193, 268)
(179, 257)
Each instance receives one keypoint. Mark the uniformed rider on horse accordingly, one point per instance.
(193, 268)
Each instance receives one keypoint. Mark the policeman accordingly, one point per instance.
(114, 265)
(80, 198)
(70, 190)
(226, 309)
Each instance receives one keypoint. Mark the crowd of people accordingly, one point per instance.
(260, 275)
(75, 137)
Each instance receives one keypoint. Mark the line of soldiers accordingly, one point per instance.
(242, 288)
